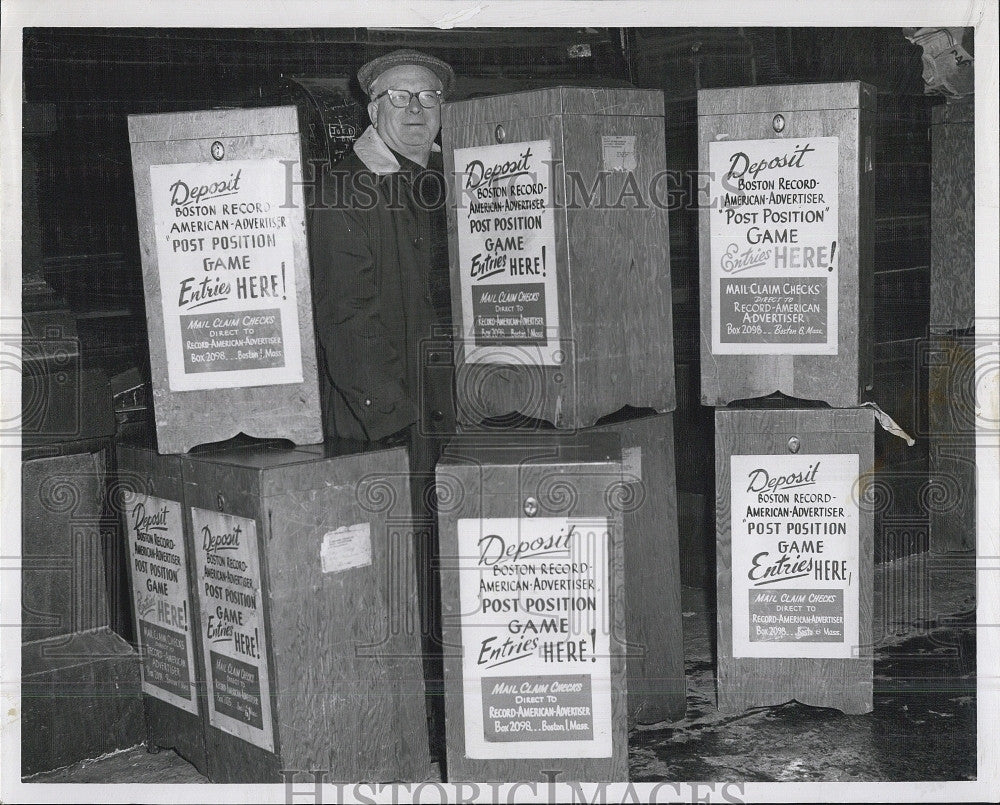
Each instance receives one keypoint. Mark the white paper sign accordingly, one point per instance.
(155, 540)
(345, 548)
(232, 626)
(536, 660)
(226, 260)
(774, 230)
(795, 556)
(507, 254)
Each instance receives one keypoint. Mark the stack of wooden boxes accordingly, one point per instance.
(273, 586)
(275, 602)
(786, 290)
(564, 386)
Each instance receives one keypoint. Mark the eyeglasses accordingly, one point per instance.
(400, 98)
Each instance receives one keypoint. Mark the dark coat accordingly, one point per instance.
(379, 335)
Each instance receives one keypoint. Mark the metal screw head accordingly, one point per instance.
(500, 133)
(530, 507)
(778, 123)
(794, 444)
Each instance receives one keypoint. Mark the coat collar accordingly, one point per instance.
(376, 155)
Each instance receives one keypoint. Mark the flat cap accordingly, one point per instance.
(373, 69)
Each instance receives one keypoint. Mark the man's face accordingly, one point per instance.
(412, 129)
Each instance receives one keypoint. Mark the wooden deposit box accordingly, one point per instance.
(559, 248)
(79, 680)
(226, 276)
(305, 586)
(795, 557)
(786, 238)
(161, 572)
(533, 604)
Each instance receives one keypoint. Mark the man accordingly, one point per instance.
(379, 255)
(379, 248)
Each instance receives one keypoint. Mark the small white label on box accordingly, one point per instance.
(619, 153)
(632, 464)
(347, 547)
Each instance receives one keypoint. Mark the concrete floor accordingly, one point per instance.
(923, 727)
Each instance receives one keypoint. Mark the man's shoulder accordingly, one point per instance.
(351, 163)
(348, 185)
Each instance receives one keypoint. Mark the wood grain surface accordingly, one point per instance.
(844, 684)
(143, 471)
(951, 409)
(823, 110)
(186, 419)
(63, 584)
(160, 128)
(563, 489)
(344, 646)
(612, 258)
(605, 101)
(953, 211)
(788, 98)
